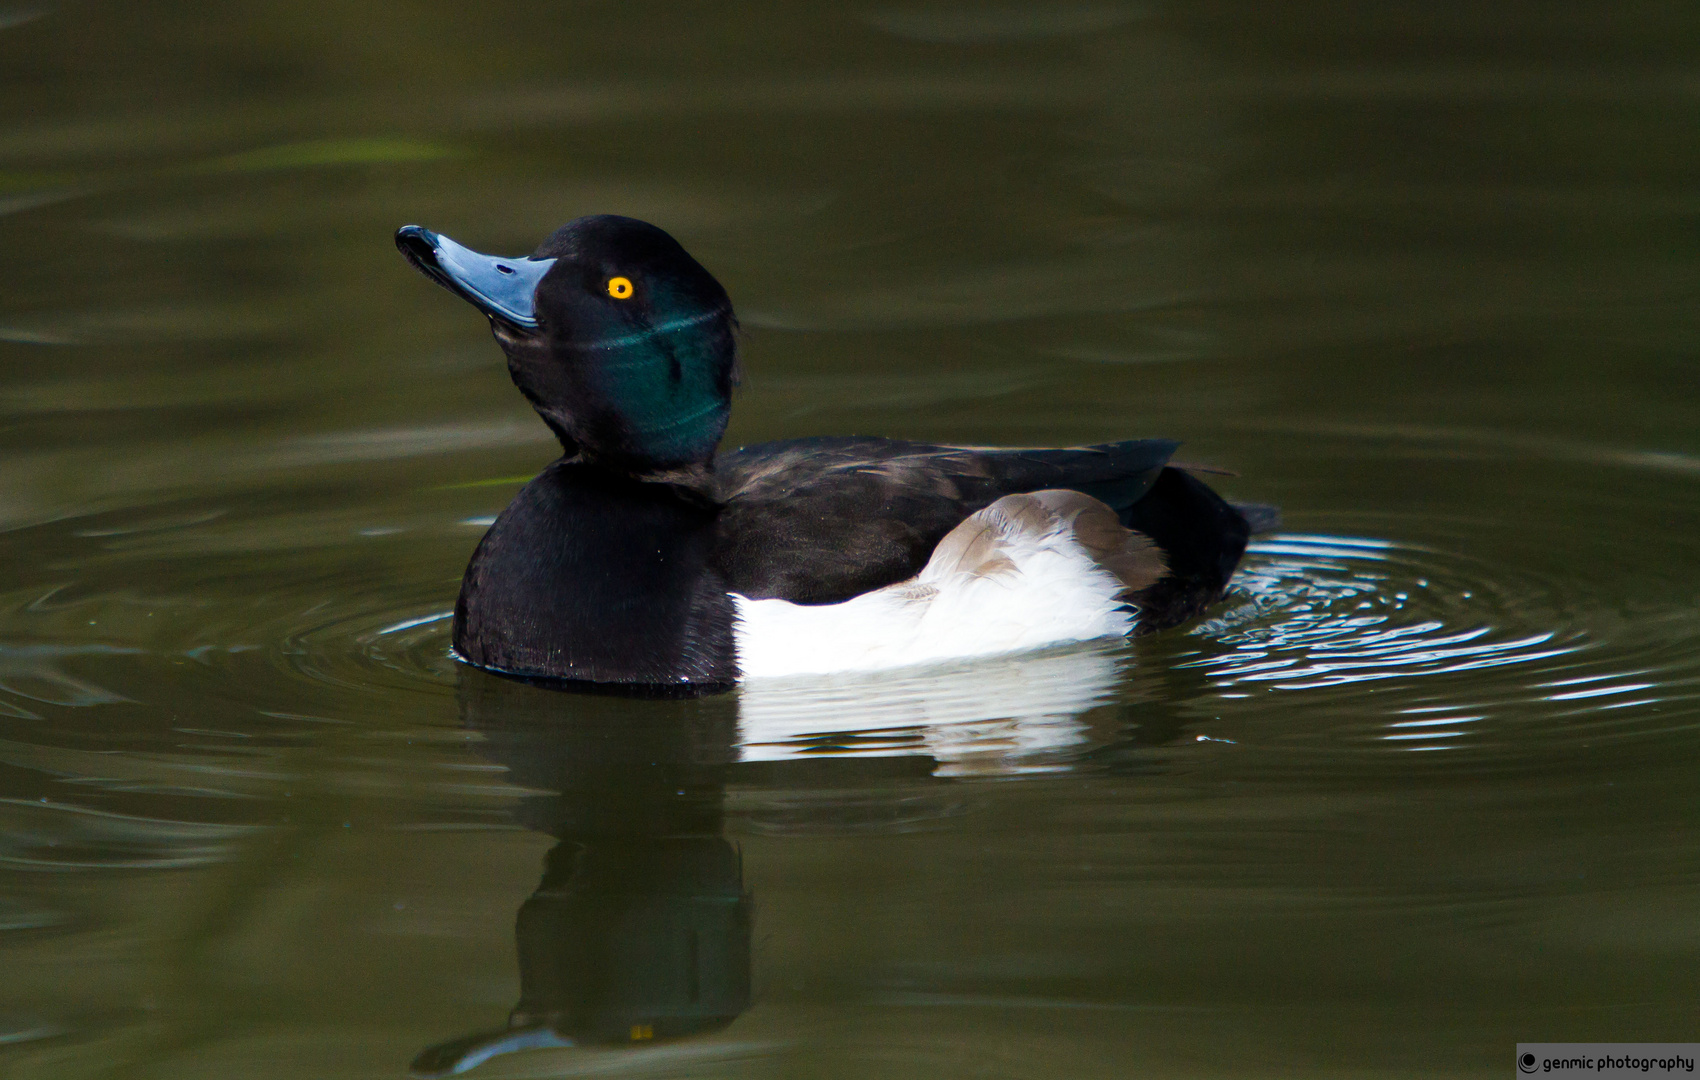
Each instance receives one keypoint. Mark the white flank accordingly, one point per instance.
(1046, 591)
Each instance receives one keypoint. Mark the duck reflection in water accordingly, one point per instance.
(640, 928)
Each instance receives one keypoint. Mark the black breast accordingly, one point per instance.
(593, 577)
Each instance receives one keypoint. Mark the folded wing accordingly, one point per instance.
(817, 521)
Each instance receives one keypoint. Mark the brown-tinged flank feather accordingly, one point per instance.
(976, 546)
(1132, 557)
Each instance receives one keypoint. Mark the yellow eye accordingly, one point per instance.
(619, 288)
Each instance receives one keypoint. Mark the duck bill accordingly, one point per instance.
(501, 288)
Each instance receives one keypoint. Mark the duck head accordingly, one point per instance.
(620, 340)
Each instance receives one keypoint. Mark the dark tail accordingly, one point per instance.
(1262, 517)
(1203, 538)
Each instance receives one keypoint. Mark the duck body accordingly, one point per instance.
(643, 559)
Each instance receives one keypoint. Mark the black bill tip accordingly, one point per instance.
(419, 245)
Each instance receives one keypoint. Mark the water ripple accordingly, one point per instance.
(365, 649)
(45, 835)
(1343, 618)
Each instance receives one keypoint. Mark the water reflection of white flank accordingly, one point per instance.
(1005, 714)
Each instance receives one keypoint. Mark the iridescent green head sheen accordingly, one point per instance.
(622, 342)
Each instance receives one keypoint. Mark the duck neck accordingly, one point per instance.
(694, 483)
(597, 575)
(655, 402)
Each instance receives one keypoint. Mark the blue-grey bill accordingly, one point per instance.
(502, 288)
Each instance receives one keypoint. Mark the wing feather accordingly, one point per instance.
(817, 521)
